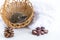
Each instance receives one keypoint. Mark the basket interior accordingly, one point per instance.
(18, 7)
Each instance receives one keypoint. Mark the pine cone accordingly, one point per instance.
(8, 32)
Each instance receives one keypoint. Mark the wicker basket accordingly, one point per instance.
(13, 6)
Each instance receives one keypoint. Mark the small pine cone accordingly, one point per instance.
(8, 32)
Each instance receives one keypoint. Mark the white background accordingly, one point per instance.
(51, 8)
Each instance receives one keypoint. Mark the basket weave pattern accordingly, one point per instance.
(12, 6)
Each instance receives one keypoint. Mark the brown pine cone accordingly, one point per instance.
(39, 31)
(8, 32)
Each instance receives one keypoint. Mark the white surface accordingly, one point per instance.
(47, 14)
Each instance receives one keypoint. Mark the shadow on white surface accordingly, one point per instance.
(49, 8)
